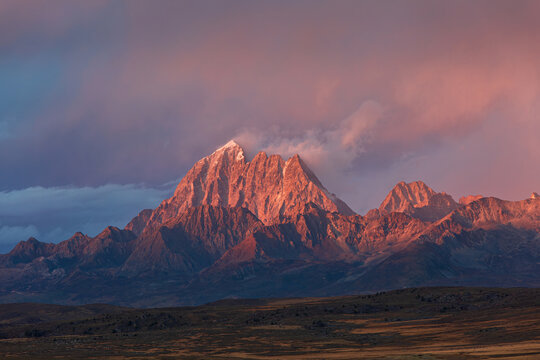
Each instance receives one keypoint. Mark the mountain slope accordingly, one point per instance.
(489, 242)
(486, 242)
(190, 241)
(318, 235)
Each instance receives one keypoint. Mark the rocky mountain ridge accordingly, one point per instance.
(268, 227)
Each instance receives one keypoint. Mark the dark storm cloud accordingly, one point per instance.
(54, 214)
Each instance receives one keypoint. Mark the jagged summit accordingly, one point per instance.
(233, 148)
(268, 186)
(229, 145)
(404, 197)
(535, 195)
(418, 200)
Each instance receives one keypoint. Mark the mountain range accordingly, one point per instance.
(267, 228)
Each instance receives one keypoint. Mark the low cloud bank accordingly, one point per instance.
(54, 214)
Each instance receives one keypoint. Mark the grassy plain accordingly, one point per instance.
(419, 323)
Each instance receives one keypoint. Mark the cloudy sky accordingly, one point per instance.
(104, 105)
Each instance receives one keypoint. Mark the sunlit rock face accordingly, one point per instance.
(418, 200)
(403, 197)
(268, 186)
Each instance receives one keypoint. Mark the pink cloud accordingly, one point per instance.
(369, 93)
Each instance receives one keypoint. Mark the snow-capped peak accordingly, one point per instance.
(230, 144)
